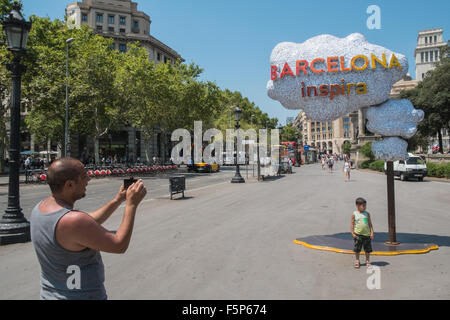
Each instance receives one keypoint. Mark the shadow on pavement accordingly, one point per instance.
(441, 241)
(273, 178)
(378, 263)
(181, 198)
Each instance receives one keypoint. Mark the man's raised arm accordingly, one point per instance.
(102, 214)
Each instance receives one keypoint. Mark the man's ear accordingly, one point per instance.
(68, 184)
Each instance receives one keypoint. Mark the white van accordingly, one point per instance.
(413, 167)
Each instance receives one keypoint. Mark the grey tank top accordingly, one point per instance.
(65, 275)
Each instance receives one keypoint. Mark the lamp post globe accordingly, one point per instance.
(237, 116)
(16, 29)
(14, 227)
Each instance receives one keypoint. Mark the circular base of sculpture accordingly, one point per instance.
(380, 248)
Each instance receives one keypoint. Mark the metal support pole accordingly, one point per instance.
(14, 227)
(392, 240)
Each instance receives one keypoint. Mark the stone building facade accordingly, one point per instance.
(427, 52)
(327, 137)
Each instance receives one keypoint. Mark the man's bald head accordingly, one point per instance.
(63, 170)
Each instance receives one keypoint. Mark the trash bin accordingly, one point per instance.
(177, 185)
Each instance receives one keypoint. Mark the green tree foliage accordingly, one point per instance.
(346, 147)
(110, 89)
(288, 133)
(432, 95)
(6, 6)
(366, 151)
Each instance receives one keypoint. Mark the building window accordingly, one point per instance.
(426, 40)
(100, 17)
(84, 17)
(436, 55)
(111, 19)
(435, 39)
(111, 29)
(123, 20)
(431, 39)
(318, 129)
(421, 57)
(158, 56)
(122, 30)
(122, 47)
(431, 56)
(423, 75)
(426, 56)
(165, 59)
(99, 28)
(136, 24)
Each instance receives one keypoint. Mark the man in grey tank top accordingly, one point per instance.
(68, 242)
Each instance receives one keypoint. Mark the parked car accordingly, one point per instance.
(413, 167)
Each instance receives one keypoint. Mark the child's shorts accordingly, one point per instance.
(362, 241)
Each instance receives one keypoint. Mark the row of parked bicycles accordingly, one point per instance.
(40, 175)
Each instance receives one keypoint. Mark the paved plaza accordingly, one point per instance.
(235, 241)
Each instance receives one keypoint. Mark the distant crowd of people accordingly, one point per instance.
(33, 163)
(329, 160)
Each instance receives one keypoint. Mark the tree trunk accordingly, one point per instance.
(2, 159)
(163, 145)
(441, 149)
(96, 149)
(147, 148)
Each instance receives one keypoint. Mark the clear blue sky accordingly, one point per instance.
(232, 39)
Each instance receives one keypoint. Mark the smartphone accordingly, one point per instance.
(128, 182)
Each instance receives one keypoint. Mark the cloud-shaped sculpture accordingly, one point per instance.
(394, 118)
(390, 149)
(328, 77)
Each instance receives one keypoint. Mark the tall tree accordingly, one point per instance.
(432, 95)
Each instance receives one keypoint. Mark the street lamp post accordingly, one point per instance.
(237, 177)
(297, 158)
(14, 227)
(66, 133)
(280, 129)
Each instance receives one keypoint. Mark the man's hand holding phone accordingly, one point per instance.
(136, 193)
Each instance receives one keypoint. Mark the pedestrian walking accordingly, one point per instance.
(330, 164)
(346, 168)
(362, 231)
(323, 163)
(68, 242)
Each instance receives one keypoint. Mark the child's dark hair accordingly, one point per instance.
(360, 201)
